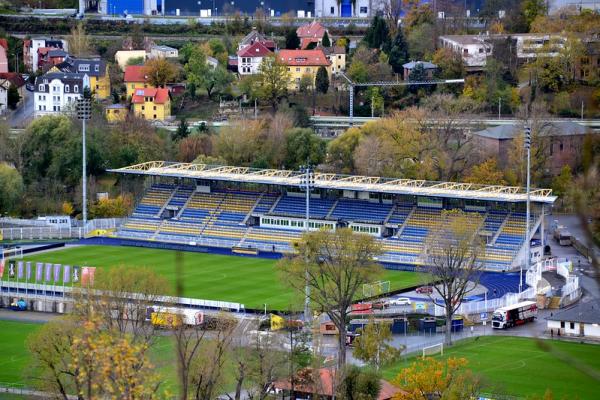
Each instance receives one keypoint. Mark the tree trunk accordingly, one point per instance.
(448, 338)
(342, 346)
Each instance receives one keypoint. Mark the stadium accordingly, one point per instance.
(262, 212)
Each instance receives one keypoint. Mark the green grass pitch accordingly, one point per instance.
(518, 366)
(247, 280)
(14, 356)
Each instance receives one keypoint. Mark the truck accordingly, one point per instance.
(562, 236)
(517, 314)
(173, 317)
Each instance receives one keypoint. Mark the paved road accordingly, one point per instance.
(22, 115)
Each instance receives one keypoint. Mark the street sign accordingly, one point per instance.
(484, 316)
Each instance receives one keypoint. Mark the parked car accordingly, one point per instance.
(400, 301)
(380, 305)
(424, 290)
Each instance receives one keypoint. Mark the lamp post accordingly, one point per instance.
(307, 182)
(527, 240)
(84, 111)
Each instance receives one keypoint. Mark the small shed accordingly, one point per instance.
(429, 68)
(582, 320)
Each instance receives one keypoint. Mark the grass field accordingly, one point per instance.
(519, 367)
(250, 281)
(14, 357)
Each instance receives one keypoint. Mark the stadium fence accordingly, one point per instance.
(33, 230)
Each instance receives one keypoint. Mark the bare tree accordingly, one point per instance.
(392, 10)
(452, 254)
(334, 265)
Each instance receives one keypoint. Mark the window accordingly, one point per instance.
(297, 69)
(66, 88)
(571, 325)
(154, 108)
(97, 68)
(76, 89)
(562, 324)
(332, 10)
(339, 57)
(480, 50)
(41, 88)
(308, 69)
(97, 87)
(84, 67)
(561, 147)
(154, 116)
(363, 10)
(143, 108)
(465, 52)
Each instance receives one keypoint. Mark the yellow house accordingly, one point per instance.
(134, 78)
(152, 103)
(337, 57)
(95, 69)
(303, 62)
(116, 113)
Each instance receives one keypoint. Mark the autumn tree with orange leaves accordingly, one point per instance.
(430, 379)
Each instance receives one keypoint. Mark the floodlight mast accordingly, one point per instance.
(527, 216)
(390, 83)
(307, 182)
(84, 111)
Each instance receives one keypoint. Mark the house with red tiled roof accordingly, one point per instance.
(152, 103)
(302, 63)
(250, 57)
(311, 33)
(321, 385)
(134, 78)
(255, 36)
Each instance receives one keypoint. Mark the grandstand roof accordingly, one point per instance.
(339, 182)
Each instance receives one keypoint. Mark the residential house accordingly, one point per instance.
(250, 57)
(308, 384)
(255, 36)
(337, 57)
(14, 79)
(311, 33)
(303, 62)
(152, 103)
(134, 78)
(96, 69)
(57, 92)
(116, 112)
(561, 144)
(474, 49)
(588, 67)
(163, 52)
(122, 57)
(49, 57)
(427, 66)
(4, 86)
(31, 46)
(581, 320)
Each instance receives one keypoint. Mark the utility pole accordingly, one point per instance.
(582, 110)
(84, 111)
(527, 240)
(499, 106)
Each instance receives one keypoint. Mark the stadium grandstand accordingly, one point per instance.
(263, 210)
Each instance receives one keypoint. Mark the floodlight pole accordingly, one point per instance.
(307, 184)
(84, 113)
(527, 239)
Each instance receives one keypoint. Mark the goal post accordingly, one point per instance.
(376, 288)
(433, 350)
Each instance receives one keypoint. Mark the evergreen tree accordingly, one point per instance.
(322, 80)
(377, 36)
(13, 96)
(292, 41)
(183, 130)
(399, 52)
(326, 42)
(417, 74)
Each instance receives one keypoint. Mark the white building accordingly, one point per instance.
(57, 92)
(474, 49)
(348, 8)
(4, 85)
(163, 52)
(31, 47)
(556, 5)
(582, 320)
(250, 58)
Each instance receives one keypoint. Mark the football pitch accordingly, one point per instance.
(520, 367)
(251, 281)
